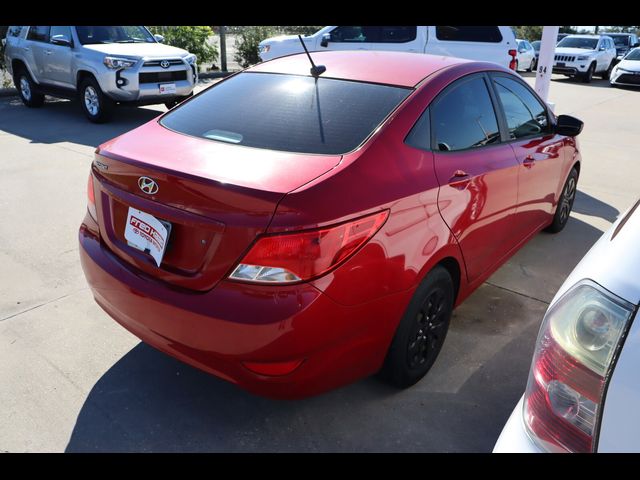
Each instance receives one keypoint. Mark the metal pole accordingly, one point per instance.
(545, 61)
(223, 49)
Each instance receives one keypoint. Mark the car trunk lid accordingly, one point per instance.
(216, 196)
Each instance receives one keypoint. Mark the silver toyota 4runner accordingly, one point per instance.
(100, 66)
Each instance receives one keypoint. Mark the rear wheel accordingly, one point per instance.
(27, 89)
(96, 106)
(421, 332)
(531, 65)
(565, 204)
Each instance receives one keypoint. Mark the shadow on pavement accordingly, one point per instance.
(63, 121)
(588, 205)
(147, 401)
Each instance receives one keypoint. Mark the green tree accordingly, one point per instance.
(193, 39)
(247, 43)
(528, 32)
(3, 34)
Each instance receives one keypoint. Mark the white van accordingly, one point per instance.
(485, 43)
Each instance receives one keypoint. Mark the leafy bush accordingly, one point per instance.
(250, 37)
(247, 43)
(193, 39)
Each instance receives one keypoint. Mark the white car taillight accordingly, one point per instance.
(579, 338)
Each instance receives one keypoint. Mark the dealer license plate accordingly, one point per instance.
(167, 88)
(147, 233)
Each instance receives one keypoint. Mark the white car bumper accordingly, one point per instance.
(514, 437)
(620, 77)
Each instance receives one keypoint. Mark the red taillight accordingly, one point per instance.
(294, 257)
(91, 198)
(512, 63)
(574, 351)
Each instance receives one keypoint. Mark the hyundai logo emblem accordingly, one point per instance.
(147, 185)
(164, 64)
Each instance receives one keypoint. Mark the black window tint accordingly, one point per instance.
(525, 115)
(464, 117)
(469, 34)
(373, 34)
(397, 34)
(39, 34)
(287, 112)
(420, 134)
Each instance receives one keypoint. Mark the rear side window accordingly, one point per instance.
(38, 34)
(420, 134)
(287, 112)
(373, 34)
(524, 113)
(464, 117)
(14, 31)
(469, 34)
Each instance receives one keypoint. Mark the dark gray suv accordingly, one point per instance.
(101, 66)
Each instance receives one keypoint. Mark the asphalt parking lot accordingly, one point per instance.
(73, 380)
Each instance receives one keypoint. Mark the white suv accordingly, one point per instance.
(583, 56)
(484, 43)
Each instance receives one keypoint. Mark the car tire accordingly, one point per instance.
(534, 64)
(588, 75)
(27, 89)
(531, 65)
(607, 73)
(517, 66)
(421, 332)
(97, 107)
(565, 203)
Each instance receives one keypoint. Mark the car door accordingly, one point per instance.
(34, 47)
(477, 173)
(391, 38)
(538, 150)
(58, 58)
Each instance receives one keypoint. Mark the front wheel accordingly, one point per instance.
(565, 204)
(588, 75)
(96, 106)
(421, 332)
(607, 73)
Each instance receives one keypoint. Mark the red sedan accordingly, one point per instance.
(293, 232)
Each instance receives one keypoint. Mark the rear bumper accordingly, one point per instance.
(234, 323)
(514, 437)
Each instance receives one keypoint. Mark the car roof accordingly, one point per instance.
(392, 68)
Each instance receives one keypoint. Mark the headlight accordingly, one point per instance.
(583, 58)
(117, 62)
(264, 48)
(190, 59)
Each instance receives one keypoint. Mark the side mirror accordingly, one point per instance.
(159, 38)
(635, 45)
(569, 126)
(61, 40)
(325, 40)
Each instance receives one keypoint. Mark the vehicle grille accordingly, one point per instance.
(156, 63)
(627, 78)
(156, 77)
(565, 58)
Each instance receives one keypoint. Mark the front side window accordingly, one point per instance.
(524, 113)
(14, 31)
(38, 34)
(468, 34)
(373, 34)
(64, 31)
(621, 41)
(464, 117)
(290, 113)
(102, 34)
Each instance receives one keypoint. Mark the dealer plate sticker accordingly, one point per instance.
(167, 88)
(145, 232)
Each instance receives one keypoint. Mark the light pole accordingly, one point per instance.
(223, 49)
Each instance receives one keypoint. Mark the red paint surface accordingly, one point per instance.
(219, 197)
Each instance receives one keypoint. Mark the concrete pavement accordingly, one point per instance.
(74, 380)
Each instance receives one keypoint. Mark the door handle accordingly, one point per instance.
(26, 49)
(459, 180)
(529, 161)
(48, 52)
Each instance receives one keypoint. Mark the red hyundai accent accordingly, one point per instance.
(292, 233)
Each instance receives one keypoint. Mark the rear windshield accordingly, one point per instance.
(287, 112)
